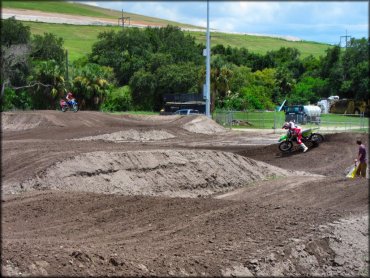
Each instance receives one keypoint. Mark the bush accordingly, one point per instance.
(16, 100)
(119, 99)
(257, 97)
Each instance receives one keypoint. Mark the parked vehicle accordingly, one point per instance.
(344, 106)
(302, 114)
(309, 138)
(187, 112)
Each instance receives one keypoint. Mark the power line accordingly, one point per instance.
(346, 36)
(123, 19)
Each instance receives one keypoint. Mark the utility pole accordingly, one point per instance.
(124, 19)
(208, 69)
(67, 77)
(346, 36)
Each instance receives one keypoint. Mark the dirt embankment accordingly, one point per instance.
(96, 194)
(173, 173)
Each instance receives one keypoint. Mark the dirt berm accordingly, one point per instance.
(95, 194)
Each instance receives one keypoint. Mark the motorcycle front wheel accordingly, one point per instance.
(75, 108)
(285, 146)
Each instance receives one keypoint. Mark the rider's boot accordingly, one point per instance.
(304, 147)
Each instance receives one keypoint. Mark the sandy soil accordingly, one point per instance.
(92, 194)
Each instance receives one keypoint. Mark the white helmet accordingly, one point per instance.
(289, 125)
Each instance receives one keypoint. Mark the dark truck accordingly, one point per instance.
(175, 102)
(302, 114)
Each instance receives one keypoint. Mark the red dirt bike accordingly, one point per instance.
(71, 105)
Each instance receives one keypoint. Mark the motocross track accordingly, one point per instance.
(93, 194)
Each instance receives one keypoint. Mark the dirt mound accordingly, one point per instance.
(131, 135)
(152, 118)
(341, 250)
(174, 173)
(192, 123)
(25, 120)
(203, 124)
(316, 192)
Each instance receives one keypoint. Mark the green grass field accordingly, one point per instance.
(261, 44)
(65, 7)
(269, 120)
(78, 40)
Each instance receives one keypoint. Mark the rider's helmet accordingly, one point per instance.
(288, 125)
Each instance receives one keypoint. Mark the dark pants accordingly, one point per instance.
(361, 169)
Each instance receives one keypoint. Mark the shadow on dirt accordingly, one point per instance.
(296, 150)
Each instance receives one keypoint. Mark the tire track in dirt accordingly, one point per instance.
(297, 224)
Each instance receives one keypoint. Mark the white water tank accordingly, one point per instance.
(324, 106)
(312, 110)
(333, 98)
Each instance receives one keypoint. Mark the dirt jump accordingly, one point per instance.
(93, 194)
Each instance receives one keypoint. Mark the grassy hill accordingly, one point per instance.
(79, 39)
(86, 10)
(262, 44)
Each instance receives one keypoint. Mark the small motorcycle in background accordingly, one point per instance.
(71, 105)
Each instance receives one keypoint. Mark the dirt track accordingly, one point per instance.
(95, 194)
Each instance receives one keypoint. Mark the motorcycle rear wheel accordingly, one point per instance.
(285, 146)
(317, 138)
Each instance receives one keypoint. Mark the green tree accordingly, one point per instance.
(180, 46)
(48, 78)
(287, 57)
(311, 66)
(13, 99)
(92, 83)
(284, 81)
(257, 97)
(355, 64)
(308, 90)
(119, 99)
(15, 49)
(48, 47)
(14, 32)
(242, 76)
(178, 78)
(143, 84)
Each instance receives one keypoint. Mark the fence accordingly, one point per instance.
(274, 120)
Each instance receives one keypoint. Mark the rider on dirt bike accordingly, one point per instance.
(295, 130)
(69, 97)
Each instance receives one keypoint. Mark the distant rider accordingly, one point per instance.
(295, 130)
(70, 97)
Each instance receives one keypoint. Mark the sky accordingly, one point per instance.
(319, 21)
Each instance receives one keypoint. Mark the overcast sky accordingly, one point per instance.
(320, 21)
